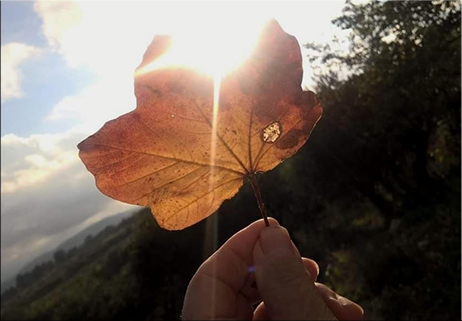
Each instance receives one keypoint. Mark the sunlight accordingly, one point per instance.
(216, 101)
(213, 143)
(212, 44)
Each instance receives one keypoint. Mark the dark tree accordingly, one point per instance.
(391, 134)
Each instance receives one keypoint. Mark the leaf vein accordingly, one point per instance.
(144, 176)
(221, 139)
(171, 158)
(200, 197)
(161, 187)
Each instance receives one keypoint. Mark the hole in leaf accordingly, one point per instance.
(271, 133)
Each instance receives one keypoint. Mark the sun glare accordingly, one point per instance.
(214, 44)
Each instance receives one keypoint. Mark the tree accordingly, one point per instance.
(391, 130)
(59, 256)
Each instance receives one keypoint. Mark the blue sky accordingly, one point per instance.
(44, 85)
(66, 71)
(44, 88)
(26, 29)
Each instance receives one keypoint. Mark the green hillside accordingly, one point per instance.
(116, 274)
(76, 240)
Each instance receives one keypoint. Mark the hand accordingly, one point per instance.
(224, 285)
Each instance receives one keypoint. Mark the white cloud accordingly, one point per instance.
(13, 55)
(32, 160)
(96, 104)
(106, 37)
(59, 19)
(47, 196)
(106, 46)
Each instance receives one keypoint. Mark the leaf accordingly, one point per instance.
(159, 154)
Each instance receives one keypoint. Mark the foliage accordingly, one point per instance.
(391, 132)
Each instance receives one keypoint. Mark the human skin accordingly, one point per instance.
(261, 265)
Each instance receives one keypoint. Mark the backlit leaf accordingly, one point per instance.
(160, 154)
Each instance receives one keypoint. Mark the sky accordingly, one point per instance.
(68, 67)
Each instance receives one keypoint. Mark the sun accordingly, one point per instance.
(213, 42)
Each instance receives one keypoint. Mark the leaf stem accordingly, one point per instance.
(256, 191)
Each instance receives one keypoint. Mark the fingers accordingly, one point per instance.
(261, 313)
(250, 290)
(262, 263)
(312, 267)
(285, 285)
(215, 289)
(341, 307)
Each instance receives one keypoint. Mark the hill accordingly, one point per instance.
(77, 240)
(117, 273)
(74, 241)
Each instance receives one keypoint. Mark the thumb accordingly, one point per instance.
(284, 284)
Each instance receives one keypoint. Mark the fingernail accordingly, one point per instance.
(275, 241)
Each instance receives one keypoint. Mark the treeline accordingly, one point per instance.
(386, 160)
(60, 256)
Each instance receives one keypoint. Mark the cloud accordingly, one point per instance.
(107, 48)
(92, 107)
(47, 196)
(33, 160)
(59, 20)
(13, 55)
(88, 37)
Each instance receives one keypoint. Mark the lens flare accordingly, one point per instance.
(213, 144)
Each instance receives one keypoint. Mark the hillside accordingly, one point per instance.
(77, 240)
(117, 273)
(74, 241)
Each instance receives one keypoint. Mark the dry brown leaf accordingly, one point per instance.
(158, 155)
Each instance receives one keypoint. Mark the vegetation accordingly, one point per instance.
(134, 271)
(374, 196)
(390, 137)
